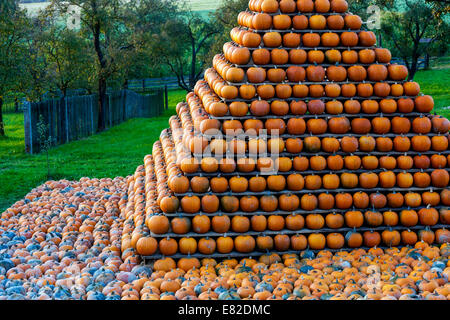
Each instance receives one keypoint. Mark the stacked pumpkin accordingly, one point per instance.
(303, 134)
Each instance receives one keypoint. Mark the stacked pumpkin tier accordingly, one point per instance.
(302, 135)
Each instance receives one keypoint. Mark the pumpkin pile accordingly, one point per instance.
(294, 170)
(302, 135)
(63, 241)
(74, 241)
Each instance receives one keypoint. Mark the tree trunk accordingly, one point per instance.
(193, 63)
(101, 74)
(413, 69)
(380, 39)
(101, 103)
(2, 126)
(16, 105)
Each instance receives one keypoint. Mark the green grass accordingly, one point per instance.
(436, 82)
(115, 152)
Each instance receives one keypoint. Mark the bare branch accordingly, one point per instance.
(208, 35)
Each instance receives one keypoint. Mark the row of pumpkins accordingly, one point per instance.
(275, 39)
(282, 57)
(296, 23)
(283, 242)
(283, 165)
(243, 57)
(290, 202)
(339, 127)
(203, 101)
(297, 74)
(329, 181)
(312, 74)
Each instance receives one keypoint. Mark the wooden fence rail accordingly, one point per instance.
(72, 118)
(154, 83)
(422, 63)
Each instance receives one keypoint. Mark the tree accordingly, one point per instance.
(225, 19)
(182, 45)
(414, 29)
(105, 23)
(370, 10)
(66, 52)
(439, 7)
(360, 7)
(13, 30)
(146, 20)
(35, 66)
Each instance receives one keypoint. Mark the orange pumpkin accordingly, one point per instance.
(244, 244)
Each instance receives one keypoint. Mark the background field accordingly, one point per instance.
(196, 5)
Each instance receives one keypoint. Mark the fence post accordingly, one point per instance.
(27, 127)
(427, 61)
(124, 105)
(67, 120)
(109, 110)
(91, 98)
(50, 122)
(166, 97)
(31, 128)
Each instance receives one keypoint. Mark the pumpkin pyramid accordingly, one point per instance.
(302, 135)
